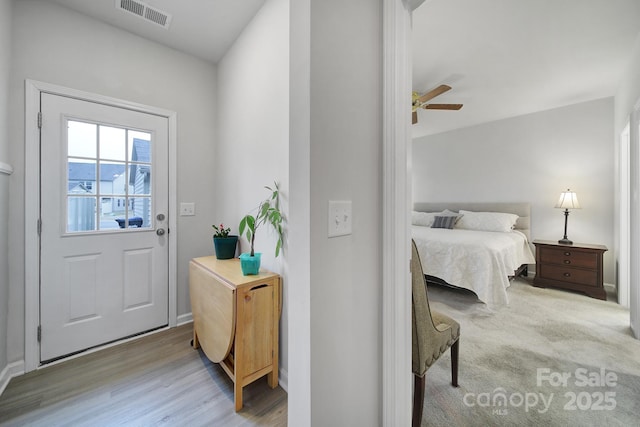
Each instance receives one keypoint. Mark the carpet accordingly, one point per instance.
(551, 357)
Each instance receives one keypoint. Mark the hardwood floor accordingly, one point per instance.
(155, 380)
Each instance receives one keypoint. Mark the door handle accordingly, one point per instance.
(160, 231)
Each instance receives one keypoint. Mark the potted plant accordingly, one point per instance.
(224, 244)
(268, 213)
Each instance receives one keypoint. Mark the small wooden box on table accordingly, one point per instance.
(577, 267)
(235, 320)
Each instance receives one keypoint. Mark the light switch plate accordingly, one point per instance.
(339, 218)
(187, 209)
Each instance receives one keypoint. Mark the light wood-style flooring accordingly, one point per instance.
(155, 380)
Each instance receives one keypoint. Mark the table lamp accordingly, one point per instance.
(568, 200)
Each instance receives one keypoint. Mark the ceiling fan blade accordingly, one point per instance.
(433, 93)
(414, 117)
(442, 106)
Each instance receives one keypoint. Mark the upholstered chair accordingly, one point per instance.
(433, 333)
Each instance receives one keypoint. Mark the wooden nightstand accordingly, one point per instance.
(576, 267)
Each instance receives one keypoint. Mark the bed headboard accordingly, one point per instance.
(523, 210)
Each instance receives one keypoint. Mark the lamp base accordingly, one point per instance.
(565, 241)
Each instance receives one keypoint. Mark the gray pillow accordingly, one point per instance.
(444, 221)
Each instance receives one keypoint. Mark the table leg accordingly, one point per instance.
(272, 378)
(195, 343)
(237, 395)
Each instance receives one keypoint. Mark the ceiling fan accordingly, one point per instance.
(421, 101)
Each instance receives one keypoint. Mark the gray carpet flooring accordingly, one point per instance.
(550, 358)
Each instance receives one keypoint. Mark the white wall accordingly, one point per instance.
(55, 45)
(252, 149)
(530, 158)
(346, 164)
(5, 62)
(627, 98)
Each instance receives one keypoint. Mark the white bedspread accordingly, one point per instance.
(480, 261)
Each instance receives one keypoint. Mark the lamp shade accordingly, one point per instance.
(568, 200)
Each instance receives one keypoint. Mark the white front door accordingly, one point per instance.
(103, 242)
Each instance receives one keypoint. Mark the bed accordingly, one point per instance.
(475, 246)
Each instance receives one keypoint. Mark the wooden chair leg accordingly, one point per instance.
(418, 400)
(454, 363)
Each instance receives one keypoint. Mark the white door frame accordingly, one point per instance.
(624, 234)
(396, 175)
(32, 204)
(634, 222)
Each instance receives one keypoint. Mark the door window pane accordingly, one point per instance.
(140, 143)
(113, 179)
(140, 179)
(81, 139)
(113, 143)
(140, 212)
(81, 176)
(108, 213)
(81, 214)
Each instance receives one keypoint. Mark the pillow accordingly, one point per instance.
(523, 223)
(487, 221)
(444, 221)
(424, 219)
(447, 212)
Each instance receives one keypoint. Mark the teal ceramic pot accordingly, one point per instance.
(250, 264)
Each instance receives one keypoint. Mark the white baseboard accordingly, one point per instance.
(184, 319)
(283, 379)
(11, 370)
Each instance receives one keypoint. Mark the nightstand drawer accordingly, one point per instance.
(569, 257)
(571, 275)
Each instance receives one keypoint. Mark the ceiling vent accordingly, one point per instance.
(144, 11)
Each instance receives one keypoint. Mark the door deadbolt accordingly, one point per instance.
(160, 217)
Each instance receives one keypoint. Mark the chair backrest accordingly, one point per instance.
(423, 330)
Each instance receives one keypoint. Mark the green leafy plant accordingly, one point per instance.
(268, 213)
(220, 231)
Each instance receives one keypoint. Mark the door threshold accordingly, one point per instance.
(119, 341)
